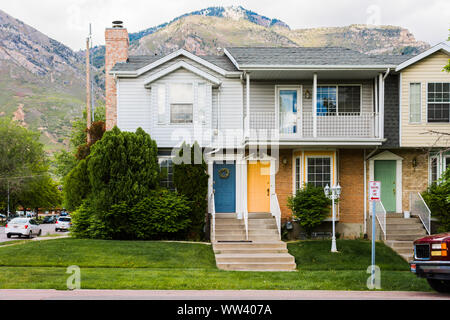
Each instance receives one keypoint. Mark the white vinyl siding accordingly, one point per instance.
(149, 108)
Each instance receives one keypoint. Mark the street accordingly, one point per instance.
(47, 229)
(13, 294)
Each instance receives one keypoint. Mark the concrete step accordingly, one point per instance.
(251, 232)
(254, 257)
(404, 237)
(399, 244)
(404, 251)
(257, 266)
(250, 251)
(259, 215)
(264, 238)
(244, 245)
(230, 227)
(226, 216)
(262, 221)
(402, 220)
(402, 227)
(229, 221)
(229, 237)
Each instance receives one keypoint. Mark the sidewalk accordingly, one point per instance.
(20, 294)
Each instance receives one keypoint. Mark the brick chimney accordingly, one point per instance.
(116, 50)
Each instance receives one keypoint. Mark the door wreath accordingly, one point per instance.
(224, 173)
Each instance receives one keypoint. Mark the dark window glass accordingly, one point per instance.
(349, 99)
(319, 171)
(326, 101)
(438, 102)
(434, 173)
(166, 167)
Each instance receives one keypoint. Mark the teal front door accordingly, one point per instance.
(386, 172)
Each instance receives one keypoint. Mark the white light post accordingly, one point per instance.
(335, 194)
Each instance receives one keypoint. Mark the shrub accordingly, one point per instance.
(191, 180)
(163, 214)
(120, 171)
(310, 206)
(437, 198)
(76, 186)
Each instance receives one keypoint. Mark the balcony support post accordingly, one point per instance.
(381, 105)
(247, 87)
(314, 105)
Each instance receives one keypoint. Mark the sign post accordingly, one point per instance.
(374, 196)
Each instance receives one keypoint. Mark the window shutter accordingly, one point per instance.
(161, 103)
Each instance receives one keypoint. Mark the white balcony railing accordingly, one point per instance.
(329, 125)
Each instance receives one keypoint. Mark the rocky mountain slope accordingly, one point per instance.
(42, 81)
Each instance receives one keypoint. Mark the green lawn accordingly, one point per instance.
(177, 265)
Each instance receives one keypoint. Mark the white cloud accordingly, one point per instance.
(67, 21)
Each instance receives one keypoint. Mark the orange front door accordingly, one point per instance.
(258, 186)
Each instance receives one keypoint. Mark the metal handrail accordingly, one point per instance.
(276, 211)
(419, 207)
(246, 223)
(212, 210)
(381, 216)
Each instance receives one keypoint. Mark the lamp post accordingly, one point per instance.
(333, 193)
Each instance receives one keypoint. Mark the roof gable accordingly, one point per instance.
(139, 65)
(184, 65)
(443, 46)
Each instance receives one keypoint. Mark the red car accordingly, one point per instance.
(432, 260)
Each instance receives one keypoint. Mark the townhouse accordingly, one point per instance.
(273, 119)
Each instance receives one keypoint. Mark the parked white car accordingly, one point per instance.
(63, 223)
(27, 227)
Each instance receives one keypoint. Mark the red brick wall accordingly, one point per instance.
(116, 40)
(283, 182)
(351, 179)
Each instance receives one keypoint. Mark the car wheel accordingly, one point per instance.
(440, 285)
(56, 230)
(30, 235)
(40, 232)
(8, 235)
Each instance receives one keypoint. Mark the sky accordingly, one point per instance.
(68, 20)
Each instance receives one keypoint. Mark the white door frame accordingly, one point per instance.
(241, 177)
(387, 155)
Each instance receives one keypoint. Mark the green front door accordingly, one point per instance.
(385, 171)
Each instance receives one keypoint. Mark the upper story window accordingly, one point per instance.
(181, 103)
(338, 100)
(438, 102)
(415, 102)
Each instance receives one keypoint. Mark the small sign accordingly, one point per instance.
(374, 190)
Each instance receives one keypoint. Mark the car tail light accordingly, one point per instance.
(56, 221)
(26, 226)
(6, 225)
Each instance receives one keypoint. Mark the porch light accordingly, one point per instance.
(326, 190)
(334, 195)
(338, 190)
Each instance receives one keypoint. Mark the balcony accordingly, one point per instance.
(349, 125)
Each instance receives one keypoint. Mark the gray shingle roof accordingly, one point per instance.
(136, 62)
(394, 59)
(301, 56)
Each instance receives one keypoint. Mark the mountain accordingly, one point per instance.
(203, 32)
(42, 81)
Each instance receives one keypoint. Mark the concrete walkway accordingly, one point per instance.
(25, 294)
